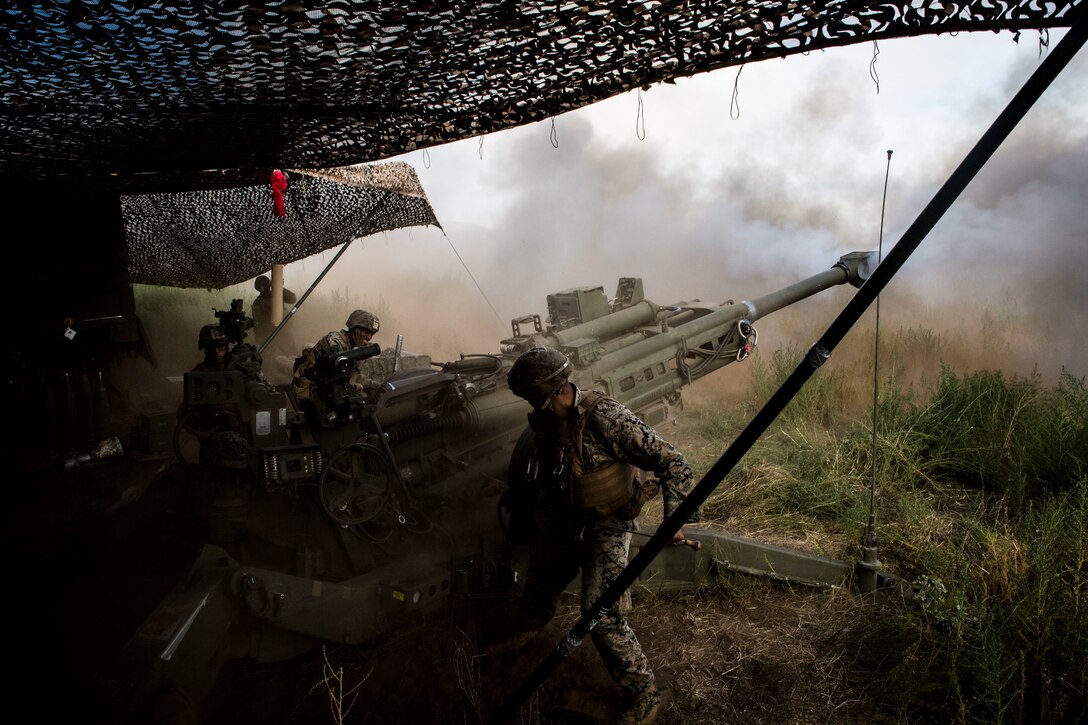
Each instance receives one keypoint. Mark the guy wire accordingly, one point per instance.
(473, 277)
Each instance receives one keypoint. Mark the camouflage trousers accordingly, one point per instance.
(600, 550)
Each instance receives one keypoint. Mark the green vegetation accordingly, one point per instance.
(981, 503)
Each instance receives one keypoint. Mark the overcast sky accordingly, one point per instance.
(713, 195)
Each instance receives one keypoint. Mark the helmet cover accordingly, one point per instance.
(538, 374)
(364, 319)
(211, 336)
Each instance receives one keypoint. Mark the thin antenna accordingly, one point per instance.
(869, 562)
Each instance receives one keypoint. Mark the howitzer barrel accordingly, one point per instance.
(641, 374)
(610, 325)
(774, 301)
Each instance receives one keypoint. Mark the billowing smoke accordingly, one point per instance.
(715, 197)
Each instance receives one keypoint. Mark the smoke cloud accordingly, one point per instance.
(712, 196)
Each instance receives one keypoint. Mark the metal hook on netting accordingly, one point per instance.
(734, 102)
(872, 66)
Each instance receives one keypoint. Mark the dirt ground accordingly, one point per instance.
(751, 653)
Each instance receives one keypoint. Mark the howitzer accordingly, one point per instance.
(350, 527)
(642, 354)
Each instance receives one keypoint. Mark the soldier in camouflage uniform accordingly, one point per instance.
(218, 357)
(219, 437)
(586, 498)
(360, 327)
(261, 308)
(212, 341)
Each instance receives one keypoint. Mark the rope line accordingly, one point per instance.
(473, 278)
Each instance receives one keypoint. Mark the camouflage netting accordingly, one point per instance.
(152, 95)
(217, 237)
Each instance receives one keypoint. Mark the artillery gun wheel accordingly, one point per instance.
(359, 486)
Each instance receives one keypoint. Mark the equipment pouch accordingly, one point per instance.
(643, 494)
(604, 491)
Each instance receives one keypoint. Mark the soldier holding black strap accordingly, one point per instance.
(587, 449)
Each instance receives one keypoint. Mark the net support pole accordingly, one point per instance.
(298, 304)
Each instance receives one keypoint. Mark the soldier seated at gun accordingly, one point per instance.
(224, 345)
(360, 328)
(216, 432)
(213, 343)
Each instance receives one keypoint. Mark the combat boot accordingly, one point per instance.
(642, 707)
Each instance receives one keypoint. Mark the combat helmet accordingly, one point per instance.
(538, 374)
(364, 319)
(210, 336)
(262, 283)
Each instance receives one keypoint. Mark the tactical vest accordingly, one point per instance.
(608, 489)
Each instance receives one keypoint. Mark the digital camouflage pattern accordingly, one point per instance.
(569, 539)
(537, 373)
(613, 433)
(600, 549)
(333, 343)
(210, 335)
(364, 319)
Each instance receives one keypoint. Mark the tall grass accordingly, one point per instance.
(981, 500)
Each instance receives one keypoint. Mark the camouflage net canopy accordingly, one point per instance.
(153, 95)
(213, 238)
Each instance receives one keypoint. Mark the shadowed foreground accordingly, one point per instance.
(750, 653)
